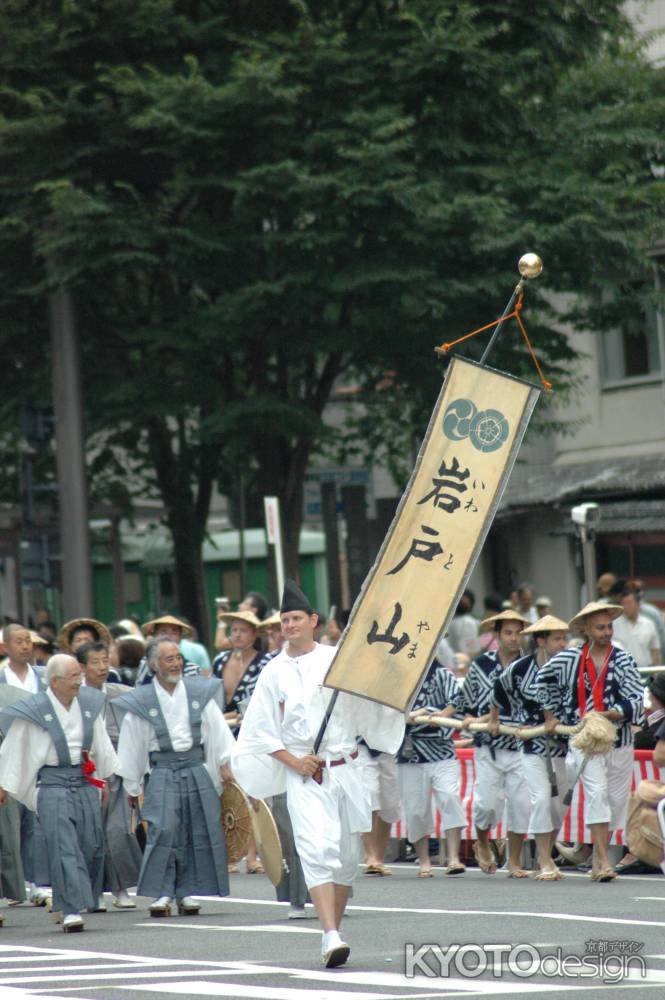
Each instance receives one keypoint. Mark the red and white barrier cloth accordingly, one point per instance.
(573, 829)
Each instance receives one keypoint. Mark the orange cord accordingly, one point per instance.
(445, 348)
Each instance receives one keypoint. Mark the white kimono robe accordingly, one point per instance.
(26, 748)
(138, 740)
(285, 713)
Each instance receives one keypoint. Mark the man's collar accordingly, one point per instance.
(293, 655)
(11, 667)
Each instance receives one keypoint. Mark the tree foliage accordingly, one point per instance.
(252, 201)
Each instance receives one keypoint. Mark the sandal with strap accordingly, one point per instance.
(489, 867)
(377, 870)
(603, 875)
(425, 873)
(548, 875)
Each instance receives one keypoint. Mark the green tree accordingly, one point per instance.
(253, 201)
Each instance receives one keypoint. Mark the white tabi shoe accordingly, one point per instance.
(334, 951)
(123, 901)
(161, 907)
(72, 923)
(40, 896)
(297, 913)
(187, 906)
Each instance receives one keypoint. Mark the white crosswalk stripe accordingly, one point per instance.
(28, 973)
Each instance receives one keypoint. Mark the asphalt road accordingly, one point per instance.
(245, 946)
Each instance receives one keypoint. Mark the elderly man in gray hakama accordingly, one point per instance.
(45, 762)
(122, 854)
(175, 729)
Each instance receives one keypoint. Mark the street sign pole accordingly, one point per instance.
(274, 533)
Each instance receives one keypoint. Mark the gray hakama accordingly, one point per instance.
(70, 817)
(68, 806)
(185, 853)
(122, 853)
(12, 878)
(22, 847)
(291, 887)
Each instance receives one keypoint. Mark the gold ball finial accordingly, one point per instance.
(530, 265)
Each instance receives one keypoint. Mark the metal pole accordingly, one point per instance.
(70, 455)
(588, 539)
(273, 518)
(506, 312)
(118, 569)
(241, 524)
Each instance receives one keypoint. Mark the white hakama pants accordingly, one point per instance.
(547, 811)
(418, 783)
(500, 785)
(327, 823)
(380, 775)
(606, 780)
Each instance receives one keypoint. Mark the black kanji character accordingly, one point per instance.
(388, 636)
(440, 494)
(420, 549)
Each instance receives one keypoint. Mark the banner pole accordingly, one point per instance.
(497, 330)
(529, 266)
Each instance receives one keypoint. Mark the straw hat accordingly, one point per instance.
(577, 623)
(543, 599)
(248, 617)
(548, 623)
(503, 616)
(272, 621)
(37, 639)
(65, 634)
(151, 627)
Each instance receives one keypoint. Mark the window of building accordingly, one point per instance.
(638, 555)
(632, 350)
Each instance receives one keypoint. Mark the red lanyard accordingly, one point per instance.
(597, 681)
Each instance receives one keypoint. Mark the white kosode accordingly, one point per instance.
(138, 739)
(27, 748)
(30, 684)
(285, 713)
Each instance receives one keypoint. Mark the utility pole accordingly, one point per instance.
(76, 569)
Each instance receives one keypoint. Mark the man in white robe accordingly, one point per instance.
(54, 742)
(328, 801)
(174, 729)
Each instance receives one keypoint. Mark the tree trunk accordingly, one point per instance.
(186, 517)
(191, 594)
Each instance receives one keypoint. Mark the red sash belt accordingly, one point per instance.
(88, 768)
(596, 681)
(318, 774)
